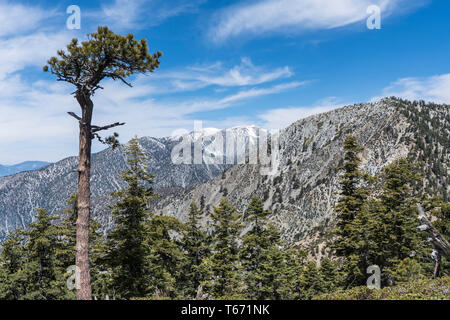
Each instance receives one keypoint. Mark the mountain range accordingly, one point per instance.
(302, 186)
(51, 186)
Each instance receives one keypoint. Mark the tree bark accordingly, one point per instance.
(84, 291)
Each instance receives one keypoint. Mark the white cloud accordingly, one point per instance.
(244, 74)
(435, 88)
(19, 52)
(111, 104)
(142, 13)
(31, 119)
(256, 92)
(123, 12)
(216, 75)
(281, 118)
(160, 117)
(193, 78)
(432, 89)
(34, 121)
(293, 16)
(16, 18)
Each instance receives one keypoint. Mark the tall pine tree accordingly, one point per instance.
(397, 219)
(44, 275)
(165, 258)
(352, 196)
(13, 282)
(196, 245)
(223, 264)
(126, 251)
(349, 213)
(261, 255)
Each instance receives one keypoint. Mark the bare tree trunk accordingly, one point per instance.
(84, 194)
(437, 265)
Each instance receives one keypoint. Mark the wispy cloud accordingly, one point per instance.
(293, 16)
(432, 89)
(112, 101)
(17, 18)
(435, 88)
(244, 74)
(125, 14)
(17, 53)
(216, 76)
(33, 118)
(256, 92)
(281, 118)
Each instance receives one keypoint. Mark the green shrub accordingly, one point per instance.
(438, 289)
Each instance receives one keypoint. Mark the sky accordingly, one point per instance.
(226, 63)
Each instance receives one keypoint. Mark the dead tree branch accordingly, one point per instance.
(437, 240)
(440, 245)
(97, 128)
(74, 115)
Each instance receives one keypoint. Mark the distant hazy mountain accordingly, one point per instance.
(24, 166)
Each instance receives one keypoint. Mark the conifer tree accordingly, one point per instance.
(224, 262)
(261, 255)
(311, 281)
(405, 270)
(352, 196)
(272, 282)
(442, 224)
(85, 65)
(165, 257)
(295, 258)
(33, 262)
(12, 258)
(196, 245)
(44, 277)
(330, 275)
(398, 217)
(441, 211)
(350, 241)
(65, 252)
(126, 251)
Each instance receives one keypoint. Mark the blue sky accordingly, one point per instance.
(228, 63)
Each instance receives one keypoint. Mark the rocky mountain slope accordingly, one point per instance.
(20, 167)
(50, 187)
(304, 189)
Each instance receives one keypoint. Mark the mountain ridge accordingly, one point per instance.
(303, 192)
